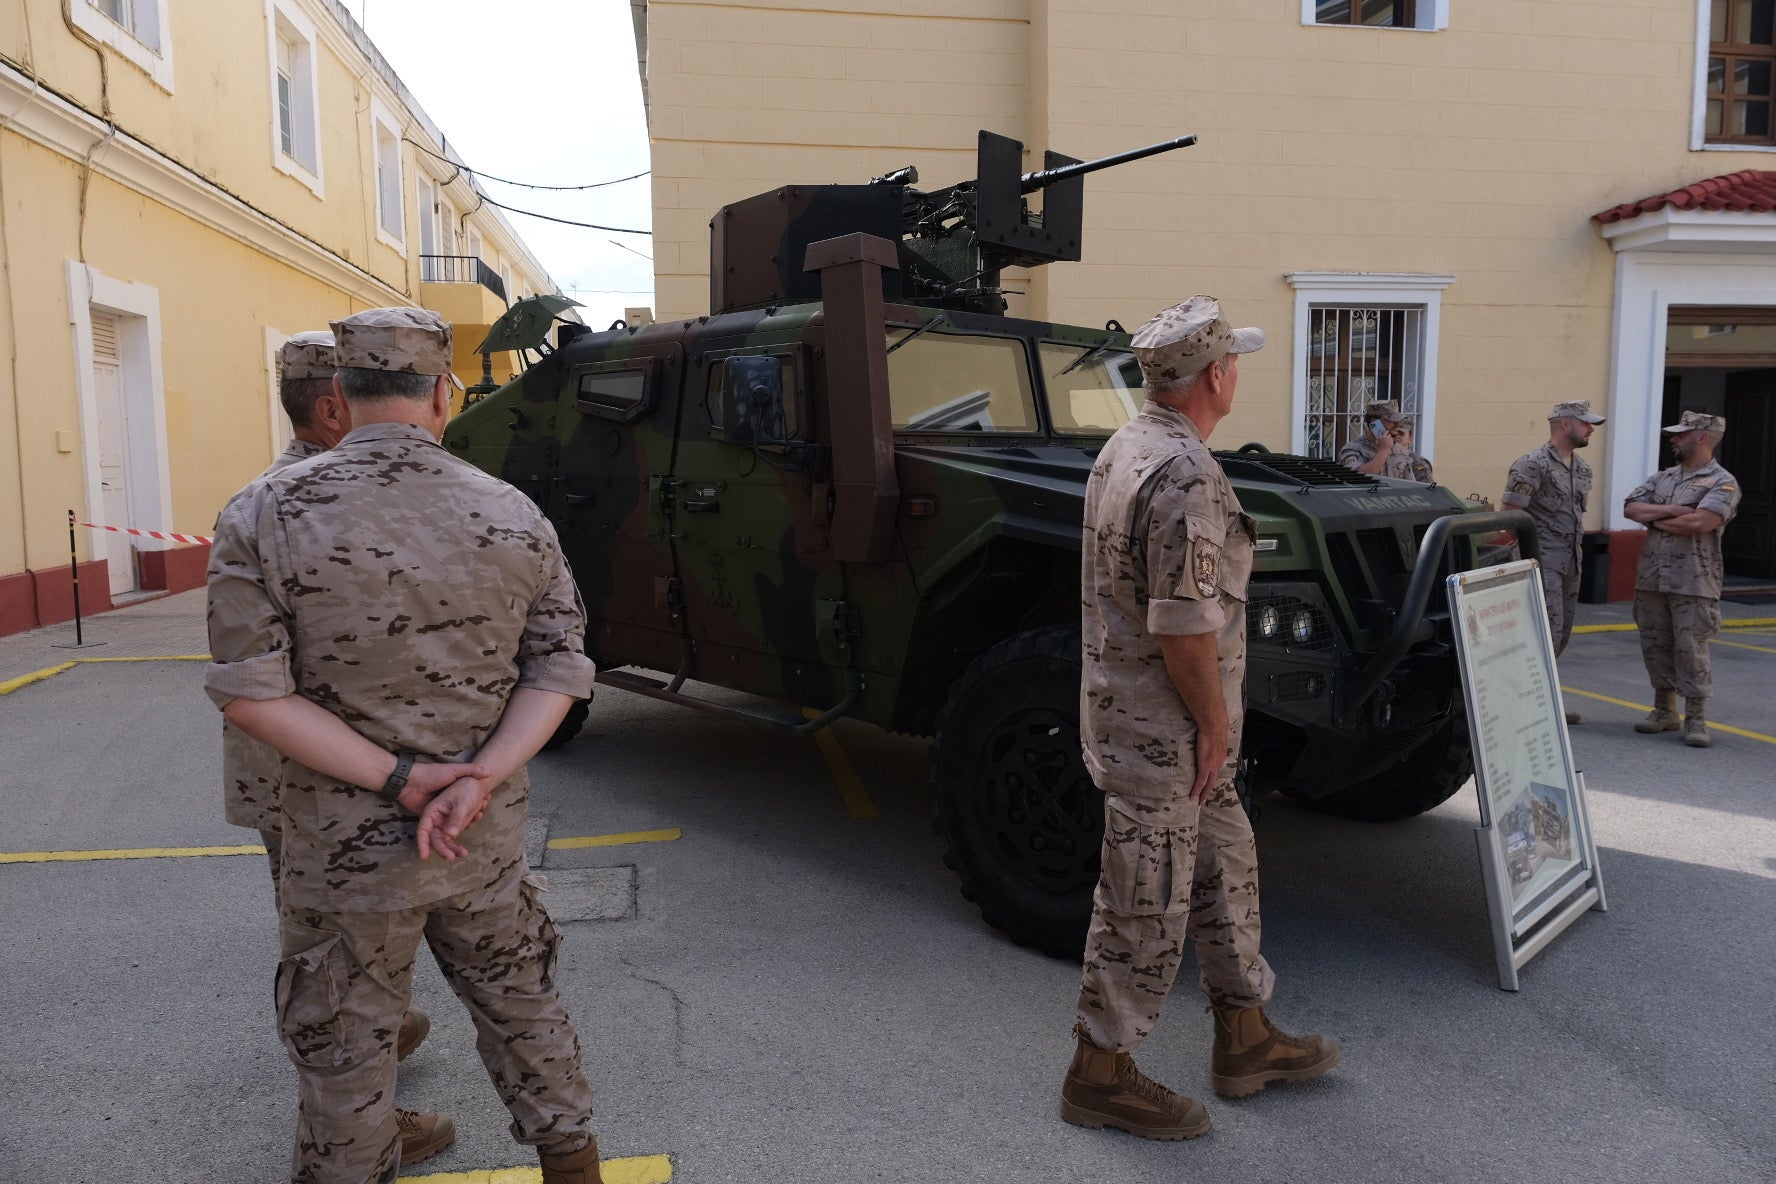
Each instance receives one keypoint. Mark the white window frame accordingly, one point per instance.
(385, 152)
(155, 58)
(1368, 288)
(1699, 95)
(1433, 16)
(286, 22)
(138, 306)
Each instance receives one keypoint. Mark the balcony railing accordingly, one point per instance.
(461, 269)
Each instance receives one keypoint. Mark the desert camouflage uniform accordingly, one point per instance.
(1678, 584)
(1401, 463)
(1167, 550)
(409, 594)
(249, 766)
(1555, 495)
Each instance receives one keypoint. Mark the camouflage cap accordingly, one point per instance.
(1696, 421)
(402, 340)
(1580, 409)
(1386, 409)
(307, 355)
(1180, 341)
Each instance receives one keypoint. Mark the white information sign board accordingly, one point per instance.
(1537, 854)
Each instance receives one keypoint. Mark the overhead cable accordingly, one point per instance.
(520, 184)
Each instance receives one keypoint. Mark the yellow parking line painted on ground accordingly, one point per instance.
(635, 1169)
(857, 798)
(668, 835)
(1718, 727)
(1606, 628)
(136, 853)
(1741, 645)
(1740, 623)
(25, 680)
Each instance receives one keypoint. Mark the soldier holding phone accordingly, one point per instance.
(1385, 447)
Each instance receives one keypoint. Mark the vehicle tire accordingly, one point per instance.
(1020, 820)
(1424, 780)
(570, 725)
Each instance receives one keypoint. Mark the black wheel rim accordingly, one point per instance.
(1038, 812)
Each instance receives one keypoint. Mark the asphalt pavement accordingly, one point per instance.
(779, 981)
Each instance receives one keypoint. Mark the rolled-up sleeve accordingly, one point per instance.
(1185, 531)
(1642, 493)
(1723, 499)
(1521, 484)
(249, 640)
(552, 652)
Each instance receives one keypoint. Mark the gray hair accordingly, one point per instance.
(363, 385)
(1183, 386)
(298, 396)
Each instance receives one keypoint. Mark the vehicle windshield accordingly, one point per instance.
(951, 382)
(1089, 393)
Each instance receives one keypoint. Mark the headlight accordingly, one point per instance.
(1268, 621)
(1303, 627)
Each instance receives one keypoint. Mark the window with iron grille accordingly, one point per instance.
(1377, 14)
(1738, 93)
(1357, 356)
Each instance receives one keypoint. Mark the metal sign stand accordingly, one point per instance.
(80, 642)
(1538, 857)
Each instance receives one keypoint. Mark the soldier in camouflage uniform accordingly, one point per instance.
(376, 606)
(1388, 452)
(1552, 485)
(1167, 554)
(1677, 587)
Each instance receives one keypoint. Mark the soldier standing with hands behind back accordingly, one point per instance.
(383, 615)
(1167, 554)
(1552, 485)
(1677, 587)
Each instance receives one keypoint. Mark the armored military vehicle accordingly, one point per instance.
(856, 487)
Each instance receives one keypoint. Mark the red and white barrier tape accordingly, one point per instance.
(163, 535)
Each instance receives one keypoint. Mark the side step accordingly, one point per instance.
(786, 721)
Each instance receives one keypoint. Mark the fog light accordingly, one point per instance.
(1303, 627)
(1268, 621)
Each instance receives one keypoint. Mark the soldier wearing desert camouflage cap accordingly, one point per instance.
(1167, 554)
(1553, 485)
(1384, 447)
(1677, 586)
(403, 629)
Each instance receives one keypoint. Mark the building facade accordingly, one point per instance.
(183, 186)
(1426, 200)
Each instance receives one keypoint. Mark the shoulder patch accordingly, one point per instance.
(1208, 561)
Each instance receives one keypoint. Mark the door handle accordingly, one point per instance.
(701, 507)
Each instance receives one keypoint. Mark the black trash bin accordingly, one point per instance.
(1594, 570)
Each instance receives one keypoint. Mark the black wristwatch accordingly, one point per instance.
(397, 781)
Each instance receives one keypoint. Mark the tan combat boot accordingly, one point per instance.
(423, 1135)
(1251, 1053)
(414, 1026)
(575, 1167)
(1105, 1089)
(1663, 717)
(1695, 724)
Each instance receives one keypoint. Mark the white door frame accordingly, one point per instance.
(144, 395)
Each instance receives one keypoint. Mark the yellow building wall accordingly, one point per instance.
(1480, 151)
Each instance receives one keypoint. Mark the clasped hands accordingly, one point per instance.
(449, 798)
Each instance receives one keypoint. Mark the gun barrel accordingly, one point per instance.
(1031, 182)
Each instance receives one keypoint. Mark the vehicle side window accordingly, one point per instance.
(944, 382)
(1091, 394)
(622, 391)
(790, 426)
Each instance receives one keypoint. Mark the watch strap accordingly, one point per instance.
(397, 780)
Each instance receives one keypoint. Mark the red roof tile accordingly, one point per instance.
(1749, 191)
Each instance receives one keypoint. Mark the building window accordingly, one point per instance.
(391, 190)
(136, 29)
(1377, 14)
(294, 117)
(1741, 59)
(1362, 338)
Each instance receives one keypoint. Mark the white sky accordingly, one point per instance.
(542, 91)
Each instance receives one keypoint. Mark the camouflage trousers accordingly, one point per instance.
(1674, 633)
(1173, 871)
(343, 986)
(1560, 588)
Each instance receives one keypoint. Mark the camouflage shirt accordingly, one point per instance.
(407, 593)
(1685, 564)
(1555, 496)
(249, 766)
(1167, 550)
(1402, 463)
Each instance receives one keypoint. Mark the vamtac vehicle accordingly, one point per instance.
(857, 487)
